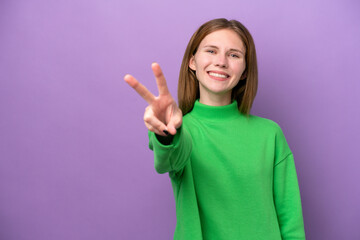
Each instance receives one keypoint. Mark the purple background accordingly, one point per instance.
(74, 160)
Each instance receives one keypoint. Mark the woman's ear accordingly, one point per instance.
(192, 63)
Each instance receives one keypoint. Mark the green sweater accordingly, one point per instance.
(233, 177)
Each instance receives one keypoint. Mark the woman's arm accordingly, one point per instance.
(286, 191)
(163, 118)
(171, 157)
(287, 200)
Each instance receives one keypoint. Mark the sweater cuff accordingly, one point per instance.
(154, 141)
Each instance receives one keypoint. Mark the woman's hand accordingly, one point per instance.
(162, 116)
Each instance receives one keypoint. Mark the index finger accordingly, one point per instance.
(160, 79)
(139, 88)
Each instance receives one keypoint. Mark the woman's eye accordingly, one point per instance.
(210, 51)
(234, 55)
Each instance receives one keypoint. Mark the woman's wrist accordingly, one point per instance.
(165, 140)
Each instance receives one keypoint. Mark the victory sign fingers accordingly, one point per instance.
(139, 88)
(160, 79)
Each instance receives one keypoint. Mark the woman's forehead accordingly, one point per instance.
(223, 38)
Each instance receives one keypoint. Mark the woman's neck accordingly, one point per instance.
(215, 99)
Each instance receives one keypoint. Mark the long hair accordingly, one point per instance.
(244, 92)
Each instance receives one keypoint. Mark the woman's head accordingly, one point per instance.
(241, 65)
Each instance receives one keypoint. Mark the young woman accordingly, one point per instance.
(233, 173)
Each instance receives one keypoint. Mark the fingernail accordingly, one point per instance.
(166, 132)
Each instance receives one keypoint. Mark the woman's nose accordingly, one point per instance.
(221, 61)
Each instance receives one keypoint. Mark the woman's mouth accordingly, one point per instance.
(218, 76)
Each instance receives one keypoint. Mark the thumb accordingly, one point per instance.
(174, 123)
(171, 128)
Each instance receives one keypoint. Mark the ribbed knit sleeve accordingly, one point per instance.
(171, 158)
(286, 192)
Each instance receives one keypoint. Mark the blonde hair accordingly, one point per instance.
(244, 92)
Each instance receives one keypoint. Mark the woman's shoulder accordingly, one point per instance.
(263, 122)
(270, 127)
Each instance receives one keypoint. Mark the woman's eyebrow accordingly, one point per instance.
(236, 50)
(231, 49)
(211, 46)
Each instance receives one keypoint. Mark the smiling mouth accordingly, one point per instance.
(218, 76)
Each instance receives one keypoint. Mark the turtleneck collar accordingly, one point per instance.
(213, 113)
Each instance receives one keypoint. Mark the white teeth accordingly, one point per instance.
(217, 75)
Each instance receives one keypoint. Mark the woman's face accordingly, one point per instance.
(219, 63)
